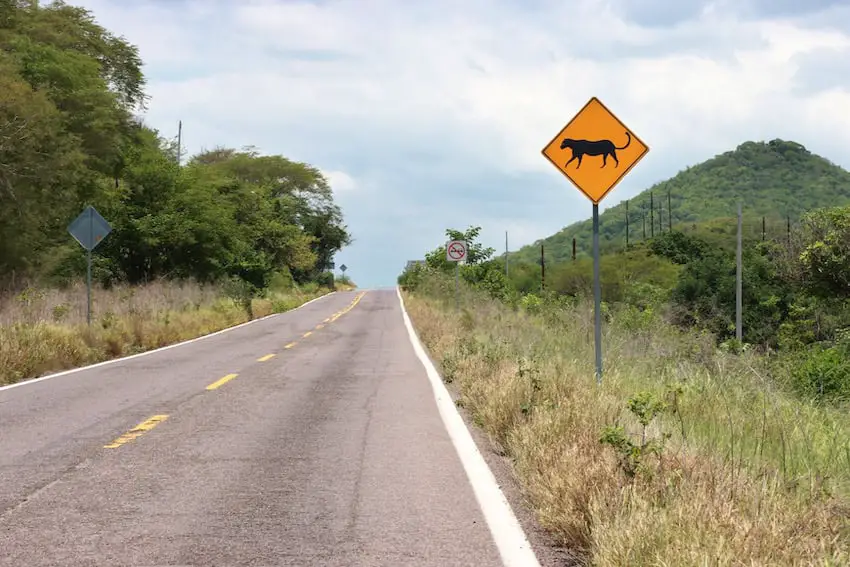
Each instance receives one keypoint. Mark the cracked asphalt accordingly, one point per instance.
(329, 453)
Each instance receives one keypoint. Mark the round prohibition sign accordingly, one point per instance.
(457, 250)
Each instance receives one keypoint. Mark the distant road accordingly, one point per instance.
(311, 438)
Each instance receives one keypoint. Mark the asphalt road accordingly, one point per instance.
(331, 452)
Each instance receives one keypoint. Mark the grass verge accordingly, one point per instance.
(685, 455)
(43, 331)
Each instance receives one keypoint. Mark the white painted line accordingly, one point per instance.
(506, 530)
(147, 352)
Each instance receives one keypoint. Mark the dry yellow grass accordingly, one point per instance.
(749, 476)
(44, 331)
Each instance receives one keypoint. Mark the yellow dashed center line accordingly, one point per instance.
(143, 427)
(149, 424)
(221, 382)
(339, 314)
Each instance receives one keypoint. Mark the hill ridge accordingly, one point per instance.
(777, 179)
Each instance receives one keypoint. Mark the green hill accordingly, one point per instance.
(776, 180)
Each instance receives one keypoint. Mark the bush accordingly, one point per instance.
(411, 278)
(325, 279)
(823, 374)
(281, 281)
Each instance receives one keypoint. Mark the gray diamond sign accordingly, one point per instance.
(89, 228)
(343, 268)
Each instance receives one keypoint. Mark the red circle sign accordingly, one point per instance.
(456, 250)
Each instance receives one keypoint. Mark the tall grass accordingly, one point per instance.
(747, 474)
(45, 330)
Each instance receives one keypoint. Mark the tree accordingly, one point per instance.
(475, 252)
(825, 255)
(68, 138)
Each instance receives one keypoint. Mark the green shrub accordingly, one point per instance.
(325, 279)
(823, 373)
(281, 281)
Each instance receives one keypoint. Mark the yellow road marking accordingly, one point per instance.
(221, 382)
(339, 314)
(330, 319)
(143, 427)
(265, 358)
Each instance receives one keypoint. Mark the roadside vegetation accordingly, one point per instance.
(198, 243)
(695, 450)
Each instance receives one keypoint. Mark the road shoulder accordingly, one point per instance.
(548, 553)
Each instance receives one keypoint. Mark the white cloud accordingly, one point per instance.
(439, 109)
(340, 181)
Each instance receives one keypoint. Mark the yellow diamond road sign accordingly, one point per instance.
(595, 150)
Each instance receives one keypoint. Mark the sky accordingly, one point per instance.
(431, 114)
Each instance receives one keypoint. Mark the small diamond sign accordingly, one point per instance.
(89, 228)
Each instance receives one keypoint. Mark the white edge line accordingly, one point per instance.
(510, 539)
(160, 349)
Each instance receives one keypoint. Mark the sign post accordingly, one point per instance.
(89, 229)
(456, 252)
(595, 133)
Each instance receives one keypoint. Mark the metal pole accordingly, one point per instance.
(88, 290)
(738, 277)
(457, 286)
(597, 296)
(88, 270)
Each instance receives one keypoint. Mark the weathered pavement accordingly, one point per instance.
(330, 453)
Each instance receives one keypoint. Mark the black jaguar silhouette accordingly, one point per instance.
(604, 148)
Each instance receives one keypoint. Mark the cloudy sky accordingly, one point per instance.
(430, 114)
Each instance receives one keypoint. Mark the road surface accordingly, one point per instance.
(311, 438)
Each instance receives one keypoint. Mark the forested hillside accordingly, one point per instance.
(777, 180)
(70, 135)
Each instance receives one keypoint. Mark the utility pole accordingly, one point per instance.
(627, 223)
(763, 229)
(179, 140)
(660, 218)
(506, 253)
(574, 248)
(669, 213)
(788, 230)
(643, 218)
(651, 217)
(738, 276)
(542, 270)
